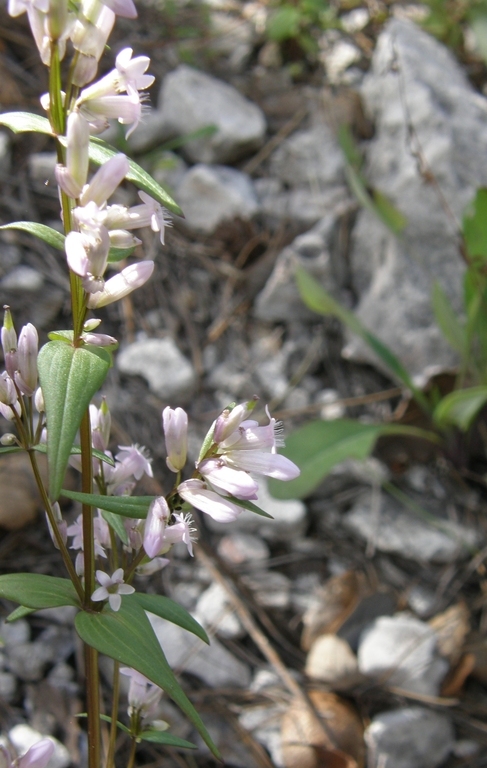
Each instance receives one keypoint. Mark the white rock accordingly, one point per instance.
(309, 158)
(41, 167)
(401, 651)
(210, 195)
(23, 279)
(238, 548)
(169, 374)
(391, 528)
(213, 664)
(8, 686)
(215, 612)
(412, 737)
(330, 659)
(271, 589)
(191, 100)
(14, 633)
(23, 737)
(28, 660)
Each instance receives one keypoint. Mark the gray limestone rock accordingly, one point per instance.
(169, 374)
(414, 80)
(210, 195)
(191, 100)
(389, 527)
(400, 651)
(309, 158)
(411, 737)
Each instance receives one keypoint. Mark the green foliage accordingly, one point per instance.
(460, 408)
(169, 610)
(33, 590)
(127, 636)
(475, 227)
(69, 378)
(127, 506)
(301, 21)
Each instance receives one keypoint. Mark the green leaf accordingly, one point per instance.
(127, 506)
(461, 407)
(449, 324)
(107, 719)
(283, 23)
(163, 737)
(10, 449)
(21, 122)
(317, 299)
(20, 613)
(47, 234)
(116, 523)
(69, 378)
(250, 506)
(76, 451)
(34, 590)
(100, 152)
(317, 447)
(475, 226)
(478, 26)
(388, 213)
(117, 254)
(127, 636)
(168, 609)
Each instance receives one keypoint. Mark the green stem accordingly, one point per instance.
(133, 749)
(59, 539)
(113, 727)
(87, 510)
(129, 574)
(93, 706)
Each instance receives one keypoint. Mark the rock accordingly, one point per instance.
(14, 633)
(315, 251)
(211, 663)
(389, 527)
(169, 374)
(215, 612)
(210, 195)
(411, 737)
(8, 686)
(264, 723)
(232, 38)
(23, 279)
(401, 652)
(415, 80)
(191, 100)
(309, 158)
(28, 660)
(23, 737)
(239, 548)
(331, 660)
(41, 167)
(271, 589)
(169, 170)
(19, 496)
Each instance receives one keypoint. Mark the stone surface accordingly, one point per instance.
(280, 300)
(191, 100)
(238, 548)
(19, 497)
(400, 651)
(168, 373)
(212, 663)
(393, 277)
(411, 737)
(23, 279)
(331, 660)
(389, 527)
(210, 195)
(28, 660)
(271, 589)
(215, 612)
(309, 158)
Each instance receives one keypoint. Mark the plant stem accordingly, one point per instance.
(131, 759)
(59, 540)
(92, 706)
(114, 714)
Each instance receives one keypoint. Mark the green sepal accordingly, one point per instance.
(69, 378)
(167, 609)
(127, 506)
(127, 636)
(34, 590)
(207, 443)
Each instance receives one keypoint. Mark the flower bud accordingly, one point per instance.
(106, 180)
(61, 525)
(57, 18)
(231, 418)
(26, 376)
(155, 525)
(39, 401)
(9, 343)
(8, 394)
(38, 755)
(8, 439)
(175, 425)
(72, 177)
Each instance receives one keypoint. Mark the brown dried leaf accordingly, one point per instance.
(452, 627)
(453, 683)
(335, 602)
(340, 737)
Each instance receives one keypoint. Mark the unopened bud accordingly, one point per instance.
(8, 439)
(155, 525)
(26, 377)
(39, 401)
(231, 418)
(175, 425)
(91, 324)
(9, 342)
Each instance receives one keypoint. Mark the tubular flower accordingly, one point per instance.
(197, 493)
(175, 425)
(121, 285)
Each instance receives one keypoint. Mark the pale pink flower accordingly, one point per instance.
(37, 756)
(151, 212)
(196, 493)
(105, 181)
(155, 526)
(131, 72)
(126, 108)
(175, 425)
(124, 8)
(230, 419)
(27, 350)
(153, 566)
(130, 278)
(143, 696)
(135, 459)
(233, 482)
(8, 394)
(181, 530)
(112, 588)
(72, 177)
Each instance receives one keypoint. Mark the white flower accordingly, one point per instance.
(196, 493)
(112, 588)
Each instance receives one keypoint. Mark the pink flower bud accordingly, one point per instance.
(106, 180)
(9, 343)
(72, 177)
(155, 525)
(121, 285)
(231, 418)
(26, 377)
(8, 395)
(175, 425)
(38, 755)
(196, 493)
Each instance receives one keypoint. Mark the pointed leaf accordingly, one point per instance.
(317, 299)
(20, 613)
(388, 213)
(10, 449)
(127, 636)
(461, 407)
(21, 122)
(127, 506)
(163, 737)
(475, 226)
(34, 590)
(168, 609)
(250, 506)
(69, 378)
(449, 324)
(76, 451)
(100, 152)
(47, 234)
(116, 523)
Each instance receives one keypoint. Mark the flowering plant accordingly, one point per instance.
(47, 394)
